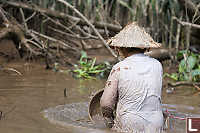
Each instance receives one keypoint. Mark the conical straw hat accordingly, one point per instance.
(133, 36)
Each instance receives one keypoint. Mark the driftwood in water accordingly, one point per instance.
(160, 54)
(164, 54)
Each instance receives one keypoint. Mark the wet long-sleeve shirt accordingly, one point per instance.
(134, 85)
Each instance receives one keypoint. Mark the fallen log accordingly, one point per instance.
(160, 54)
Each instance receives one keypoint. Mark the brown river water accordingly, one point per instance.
(27, 102)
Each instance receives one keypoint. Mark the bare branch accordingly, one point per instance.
(12, 69)
(23, 18)
(53, 39)
(58, 23)
(34, 43)
(190, 5)
(3, 16)
(178, 34)
(187, 23)
(70, 35)
(15, 28)
(32, 7)
(86, 34)
(34, 13)
(27, 31)
(92, 26)
(24, 42)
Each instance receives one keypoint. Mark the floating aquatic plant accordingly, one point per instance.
(87, 68)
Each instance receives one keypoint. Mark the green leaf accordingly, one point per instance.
(87, 67)
(83, 54)
(96, 71)
(181, 53)
(195, 72)
(191, 61)
(185, 76)
(166, 75)
(182, 66)
(173, 76)
(93, 62)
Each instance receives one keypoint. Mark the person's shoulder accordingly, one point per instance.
(154, 60)
(118, 65)
(156, 63)
(121, 64)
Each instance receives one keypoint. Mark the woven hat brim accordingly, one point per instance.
(133, 36)
(151, 45)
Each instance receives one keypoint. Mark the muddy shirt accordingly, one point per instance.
(135, 84)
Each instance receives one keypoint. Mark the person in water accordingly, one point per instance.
(133, 88)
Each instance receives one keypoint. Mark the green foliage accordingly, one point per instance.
(87, 68)
(173, 76)
(189, 67)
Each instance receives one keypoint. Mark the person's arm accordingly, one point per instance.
(109, 97)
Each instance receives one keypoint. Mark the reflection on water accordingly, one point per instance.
(23, 98)
(75, 114)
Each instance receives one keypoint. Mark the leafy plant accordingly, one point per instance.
(87, 68)
(173, 76)
(189, 67)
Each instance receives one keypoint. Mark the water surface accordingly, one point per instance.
(24, 99)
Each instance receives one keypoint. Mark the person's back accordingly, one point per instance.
(139, 94)
(134, 84)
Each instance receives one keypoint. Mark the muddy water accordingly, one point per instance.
(24, 99)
